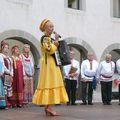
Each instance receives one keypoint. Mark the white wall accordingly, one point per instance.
(94, 25)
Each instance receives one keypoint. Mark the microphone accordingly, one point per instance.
(57, 33)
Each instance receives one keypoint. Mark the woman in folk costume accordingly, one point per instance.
(29, 72)
(8, 73)
(50, 89)
(17, 98)
(2, 93)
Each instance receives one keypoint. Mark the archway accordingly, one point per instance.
(82, 48)
(24, 37)
(80, 45)
(113, 49)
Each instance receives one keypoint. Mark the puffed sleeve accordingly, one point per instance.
(1, 65)
(49, 47)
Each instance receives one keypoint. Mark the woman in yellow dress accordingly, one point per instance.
(50, 89)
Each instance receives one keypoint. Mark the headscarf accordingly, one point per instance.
(13, 48)
(43, 23)
(3, 43)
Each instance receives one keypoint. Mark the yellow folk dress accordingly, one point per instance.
(50, 89)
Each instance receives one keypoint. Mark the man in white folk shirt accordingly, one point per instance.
(71, 78)
(118, 69)
(88, 72)
(105, 73)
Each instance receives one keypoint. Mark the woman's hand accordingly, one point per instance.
(56, 36)
(56, 43)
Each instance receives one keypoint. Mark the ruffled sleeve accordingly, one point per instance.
(49, 47)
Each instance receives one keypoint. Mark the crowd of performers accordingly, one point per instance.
(17, 71)
(50, 89)
(16, 76)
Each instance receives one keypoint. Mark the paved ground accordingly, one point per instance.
(79, 112)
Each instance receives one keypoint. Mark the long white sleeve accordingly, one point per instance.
(118, 66)
(2, 62)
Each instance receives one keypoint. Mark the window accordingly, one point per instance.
(116, 8)
(76, 4)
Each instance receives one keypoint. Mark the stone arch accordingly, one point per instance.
(83, 48)
(113, 47)
(80, 45)
(25, 37)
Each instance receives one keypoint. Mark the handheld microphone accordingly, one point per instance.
(57, 33)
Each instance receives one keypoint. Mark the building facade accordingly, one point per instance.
(86, 25)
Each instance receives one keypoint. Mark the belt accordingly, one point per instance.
(88, 76)
(106, 76)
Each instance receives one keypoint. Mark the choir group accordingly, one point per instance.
(16, 76)
(91, 73)
(17, 71)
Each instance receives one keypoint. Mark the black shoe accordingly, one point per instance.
(19, 106)
(14, 106)
(119, 103)
(109, 103)
(73, 104)
(90, 103)
(105, 103)
(84, 103)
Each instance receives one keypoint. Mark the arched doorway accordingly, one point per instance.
(81, 49)
(114, 50)
(21, 37)
(80, 45)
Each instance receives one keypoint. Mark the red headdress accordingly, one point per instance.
(3, 43)
(13, 48)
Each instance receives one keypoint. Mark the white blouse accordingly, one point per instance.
(28, 64)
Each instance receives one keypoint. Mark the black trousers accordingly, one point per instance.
(119, 92)
(106, 91)
(87, 91)
(71, 90)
